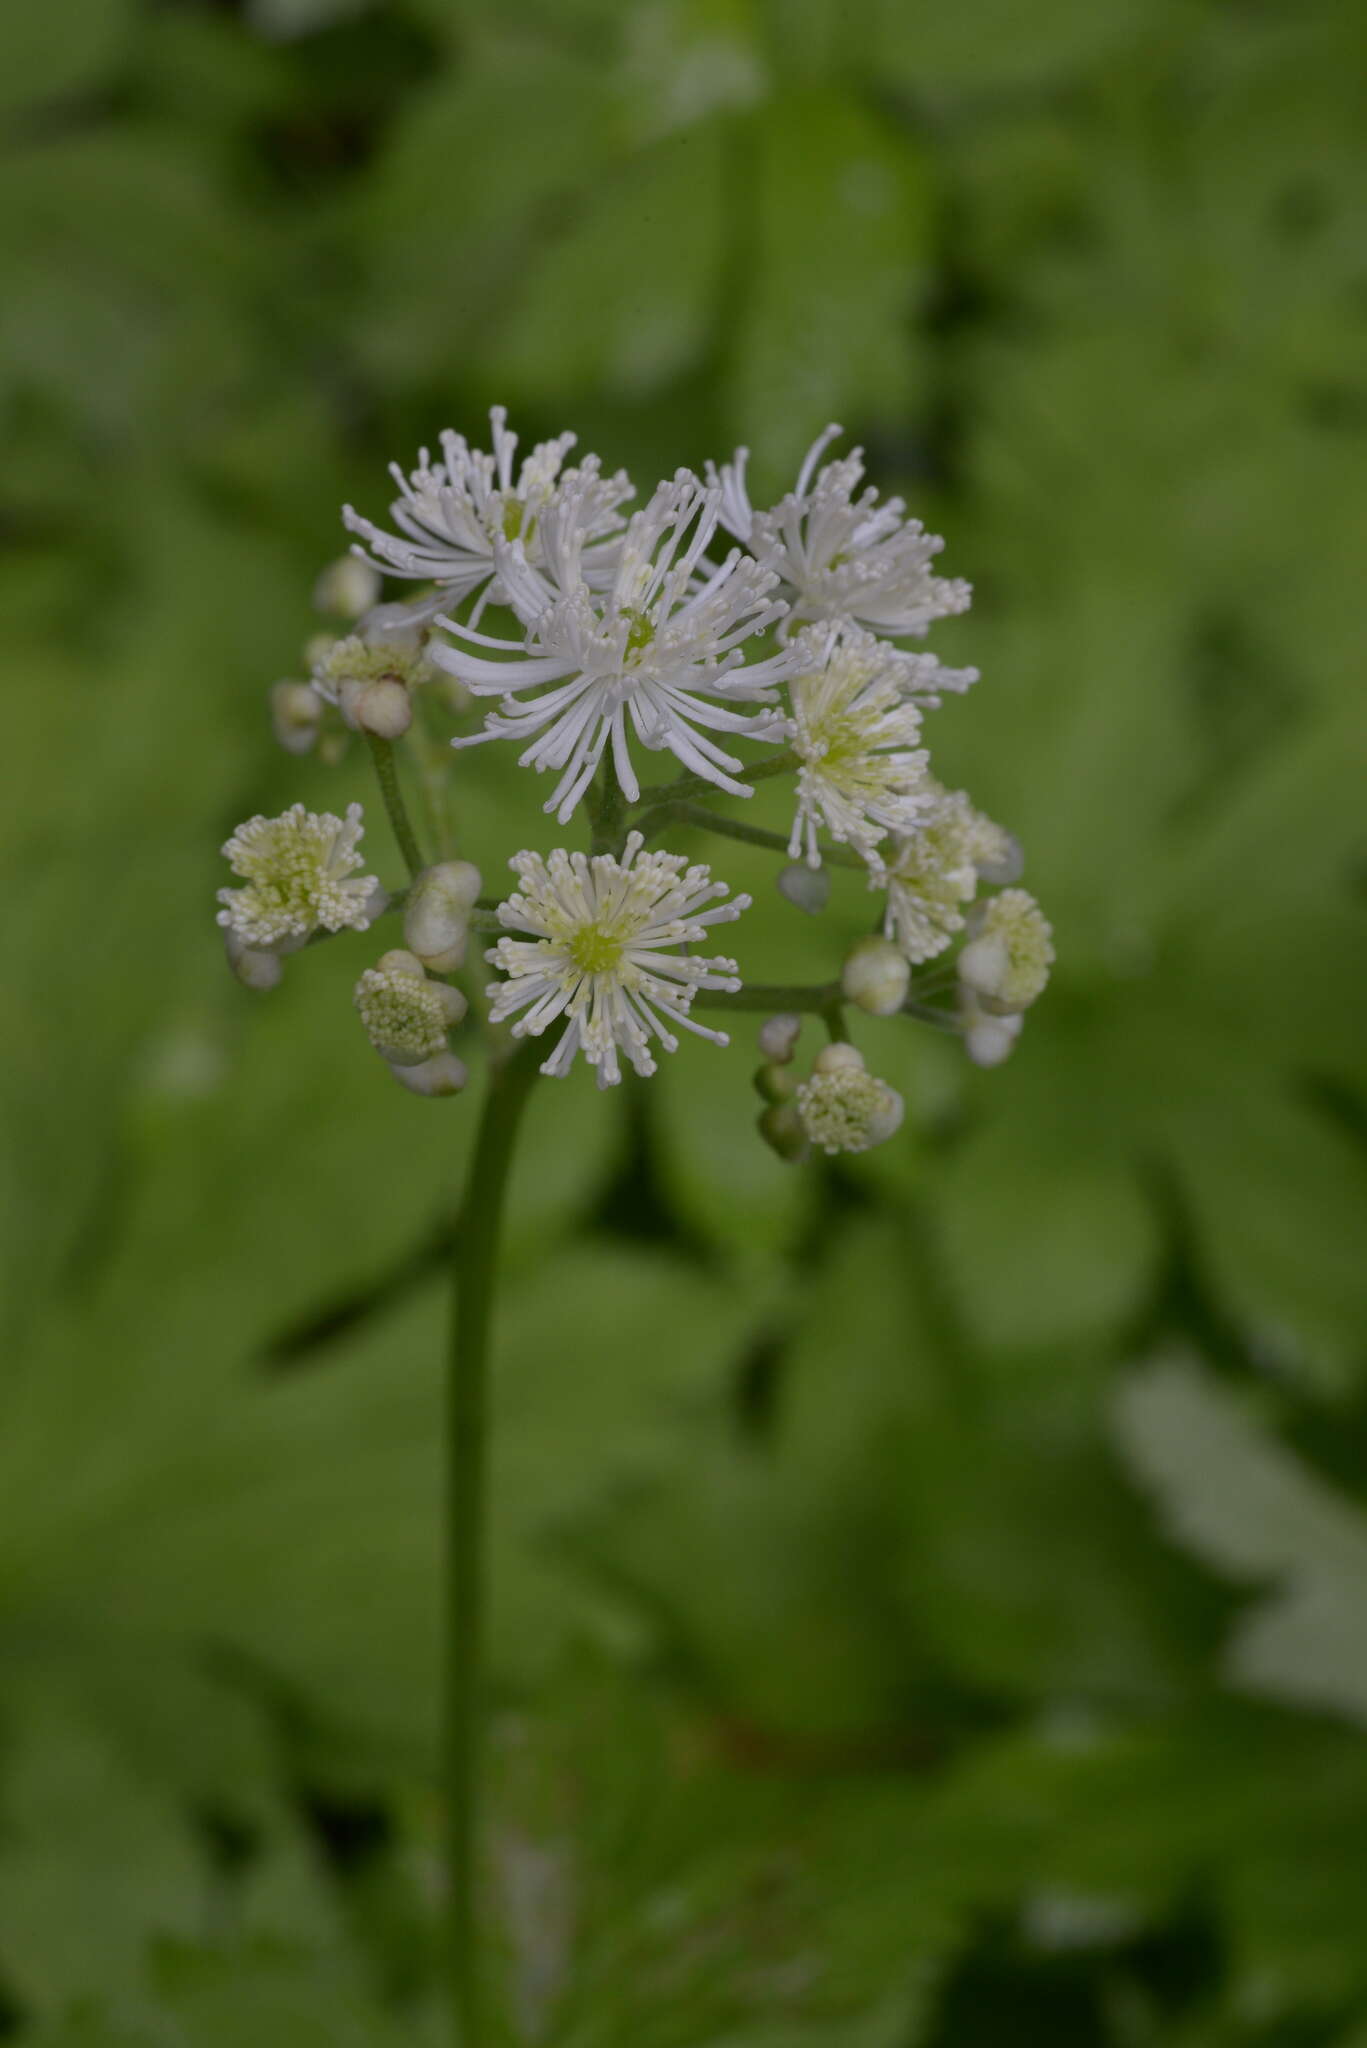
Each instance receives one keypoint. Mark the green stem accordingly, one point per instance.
(750, 835)
(387, 774)
(684, 786)
(773, 996)
(476, 1264)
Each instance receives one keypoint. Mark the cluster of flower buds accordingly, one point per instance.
(693, 626)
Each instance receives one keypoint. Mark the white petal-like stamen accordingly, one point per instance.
(854, 732)
(842, 557)
(600, 957)
(931, 875)
(656, 655)
(451, 513)
(299, 875)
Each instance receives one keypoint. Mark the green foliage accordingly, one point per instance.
(882, 1659)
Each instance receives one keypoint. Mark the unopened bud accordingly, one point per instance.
(990, 1040)
(780, 1126)
(443, 1075)
(382, 706)
(254, 969)
(778, 1036)
(775, 1084)
(1005, 863)
(347, 587)
(839, 1057)
(876, 976)
(436, 919)
(296, 714)
(806, 888)
(393, 625)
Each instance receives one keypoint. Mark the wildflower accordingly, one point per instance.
(843, 1107)
(299, 875)
(876, 976)
(1007, 960)
(843, 557)
(932, 874)
(406, 1016)
(648, 651)
(600, 954)
(436, 918)
(451, 513)
(860, 772)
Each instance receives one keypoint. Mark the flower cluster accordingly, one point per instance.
(744, 641)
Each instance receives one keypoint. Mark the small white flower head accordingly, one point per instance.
(876, 976)
(1007, 960)
(436, 918)
(347, 587)
(296, 715)
(843, 1107)
(930, 876)
(860, 772)
(778, 1036)
(601, 954)
(406, 1016)
(843, 557)
(451, 514)
(656, 654)
(299, 871)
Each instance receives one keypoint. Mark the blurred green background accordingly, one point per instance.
(931, 1593)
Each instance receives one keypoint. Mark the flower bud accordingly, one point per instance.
(347, 587)
(774, 1083)
(442, 1075)
(806, 888)
(990, 1040)
(838, 1057)
(778, 1036)
(781, 1128)
(296, 714)
(1005, 862)
(392, 625)
(382, 706)
(876, 976)
(436, 919)
(253, 968)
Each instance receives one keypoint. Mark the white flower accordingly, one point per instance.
(843, 1107)
(600, 956)
(932, 874)
(648, 653)
(450, 513)
(854, 733)
(1007, 960)
(844, 557)
(299, 872)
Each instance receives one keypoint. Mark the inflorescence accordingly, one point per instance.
(691, 627)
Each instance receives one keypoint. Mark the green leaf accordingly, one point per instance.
(835, 261)
(44, 55)
(1238, 1499)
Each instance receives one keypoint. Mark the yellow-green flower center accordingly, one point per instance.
(512, 518)
(595, 950)
(640, 632)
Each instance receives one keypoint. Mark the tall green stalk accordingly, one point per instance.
(476, 1277)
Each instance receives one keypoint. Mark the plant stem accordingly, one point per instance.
(773, 996)
(736, 828)
(476, 1264)
(684, 786)
(387, 774)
